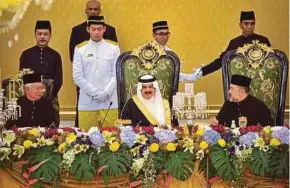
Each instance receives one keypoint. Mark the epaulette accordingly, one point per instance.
(82, 44)
(112, 42)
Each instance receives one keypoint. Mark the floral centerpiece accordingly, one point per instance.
(146, 156)
(141, 153)
(232, 154)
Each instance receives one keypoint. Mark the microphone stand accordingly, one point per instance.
(101, 125)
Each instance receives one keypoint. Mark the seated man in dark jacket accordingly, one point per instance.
(147, 107)
(35, 109)
(243, 106)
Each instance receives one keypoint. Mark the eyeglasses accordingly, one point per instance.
(162, 34)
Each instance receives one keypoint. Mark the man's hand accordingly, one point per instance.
(197, 73)
(101, 96)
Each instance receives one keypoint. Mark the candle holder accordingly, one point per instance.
(189, 107)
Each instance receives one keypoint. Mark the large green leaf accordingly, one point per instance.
(159, 158)
(180, 165)
(83, 167)
(207, 167)
(260, 162)
(222, 163)
(48, 170)
(279, 164)
(116, 163)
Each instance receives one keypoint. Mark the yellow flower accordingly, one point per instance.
(141, 139)
(267, 130)
(200, 132)
(9, 137)
(27, 144)
(171, 146)
(61, 147)
(84, 147)
(259, 142)
(154, 147)
(135, 150)
(114, 146)
(222, 142)
(35, 132)
(188, 144)
(77, 148)
(4, 153)
(49, 142)
(18, 150)
(108, 136)
(275, 142)
(71, 138)
(41, 141)
(203, 145)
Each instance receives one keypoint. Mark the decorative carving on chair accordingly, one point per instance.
(268, 69)
(255, 53)
(149, 53)
(149, 58)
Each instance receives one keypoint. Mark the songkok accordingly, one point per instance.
(146, 78)
(241, 80)
(247, 15)
(96, 20)
(31, 78)
(159, 25)
(43, 24)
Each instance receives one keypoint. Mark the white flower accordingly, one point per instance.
(236, 131)
(137, 165)
(92, 130)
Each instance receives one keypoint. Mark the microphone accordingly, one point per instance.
(106, 114)
(121, 114)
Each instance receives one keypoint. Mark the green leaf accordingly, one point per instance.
(159, 158)
(260, 162)
(180, 165)
(206, 165)
(83, 167)
(279, 164)
(222, 163)
(49, 170)
(117, 163)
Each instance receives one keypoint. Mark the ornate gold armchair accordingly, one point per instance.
(149, 58)
(268, 69)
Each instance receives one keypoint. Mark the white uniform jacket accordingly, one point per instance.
(94, 70)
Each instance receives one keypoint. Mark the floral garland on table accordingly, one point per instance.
(109, 152)
(146, 153)
(263, 151)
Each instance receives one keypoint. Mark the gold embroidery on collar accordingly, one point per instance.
(145, 111)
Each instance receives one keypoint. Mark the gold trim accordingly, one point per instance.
(145, 111)
(167, 112)
(149, 53)
(255, 53)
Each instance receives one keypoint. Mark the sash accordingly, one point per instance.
(148, 114)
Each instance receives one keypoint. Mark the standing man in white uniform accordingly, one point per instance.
(94, 71)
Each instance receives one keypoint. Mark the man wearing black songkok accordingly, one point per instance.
(35, 109)
(45, 61)
(243, 105)
(247, 25)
